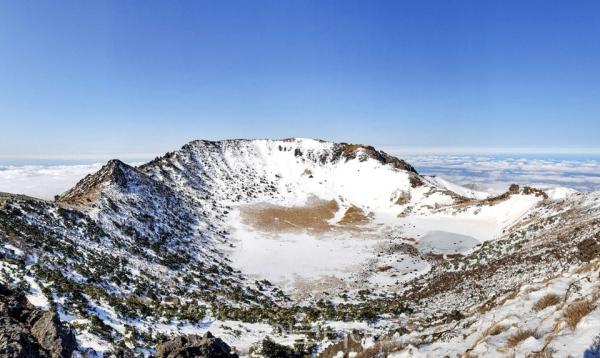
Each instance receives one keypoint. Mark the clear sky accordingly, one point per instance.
(85, 78)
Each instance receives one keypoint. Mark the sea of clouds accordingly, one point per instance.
(497, 172)
(43, 181)
(490, 172)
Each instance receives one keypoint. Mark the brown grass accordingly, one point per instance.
(519, 337)
(354, 216)
(493, 330)
(314, 216)
(496, 329)
(545, 353)
(588, 267)
(548, 300)
(576, 311)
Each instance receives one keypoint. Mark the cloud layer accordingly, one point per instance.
(497, 173)
(43, 181)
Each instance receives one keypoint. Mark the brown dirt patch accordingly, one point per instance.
(355, 216)
(313, 217)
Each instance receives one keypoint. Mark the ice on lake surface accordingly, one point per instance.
(444, 242)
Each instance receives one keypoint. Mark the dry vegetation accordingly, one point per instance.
(496, 329)
(548, 300)
(545, 353)
(355, 216)
(519, 337)
(314, 216)
(576, 311)
(493, 330)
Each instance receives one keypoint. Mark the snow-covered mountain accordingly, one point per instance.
(302, 240)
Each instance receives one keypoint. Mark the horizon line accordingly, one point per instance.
(492, 150)
(390, 149)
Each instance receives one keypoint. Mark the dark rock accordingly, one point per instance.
(26, 331)
(15, 340)
(50, 334)
(454, 316)
(415, 181)
(270, 349)
(350, 151)
(122, 353)
(195, 346)
(588, 250)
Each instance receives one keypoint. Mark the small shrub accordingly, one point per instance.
(576, 311)
(496, 329)
(548, 300)
(270, 349)
(545, 353)
(101, 329)
(519, 337)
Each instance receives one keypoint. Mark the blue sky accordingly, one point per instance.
(82, 78)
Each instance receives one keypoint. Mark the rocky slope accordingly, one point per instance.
(29, 332)
(283, 246)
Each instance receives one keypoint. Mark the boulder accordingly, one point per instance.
(15, 340)
(52, 337)
(26, 331)
(195, 346)
(122, 353)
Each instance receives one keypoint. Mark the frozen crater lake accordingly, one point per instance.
(446, 243)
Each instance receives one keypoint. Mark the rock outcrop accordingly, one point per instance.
(29, 332)
(195, 346)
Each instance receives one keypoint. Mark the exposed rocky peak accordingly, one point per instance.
(516, 189)
(352, 151)
(117, 172)
(132, 205)
(114, 172)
